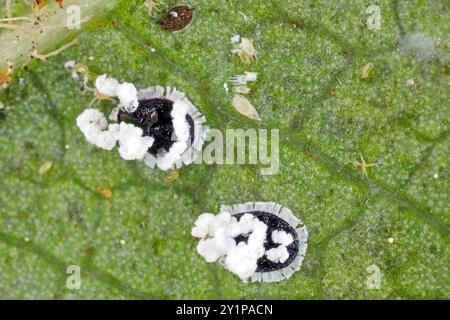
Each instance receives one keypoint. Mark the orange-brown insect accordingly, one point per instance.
(60, 3)
(172, 176)
(6, 77)
(104, 191)
(362, 166)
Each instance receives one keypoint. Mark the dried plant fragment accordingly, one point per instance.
(45, 168)
(172, 176)
(245, 49)
(365, 71)
(241, 90)
(154, 6)
(104, 191)
(243, 106)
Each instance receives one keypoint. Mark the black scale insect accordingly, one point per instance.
(154, 118)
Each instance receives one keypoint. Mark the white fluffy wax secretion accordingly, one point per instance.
(132, 144)
(127, 94)
(106, 85)
(95, 128)
(217, 234)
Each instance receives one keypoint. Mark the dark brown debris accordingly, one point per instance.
(177, 18)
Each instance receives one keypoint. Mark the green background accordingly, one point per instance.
(137, 244)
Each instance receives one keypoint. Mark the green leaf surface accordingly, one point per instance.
(137, 244)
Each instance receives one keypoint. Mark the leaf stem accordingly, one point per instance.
(46, 29)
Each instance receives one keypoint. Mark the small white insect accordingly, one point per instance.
(69, 64)
(245, 50)
(108, 87)
(133, 145)
(241, 89)
(410, 82)
(225, 87)
(235, 38)
(244, 107)
(96, 129)
(78, 68)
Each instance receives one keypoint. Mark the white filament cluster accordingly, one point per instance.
(217, 235)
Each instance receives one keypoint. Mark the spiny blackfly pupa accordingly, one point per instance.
(159, 126)
(260, 241)
(173, 121)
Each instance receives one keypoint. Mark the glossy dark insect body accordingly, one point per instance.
(153, 116)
